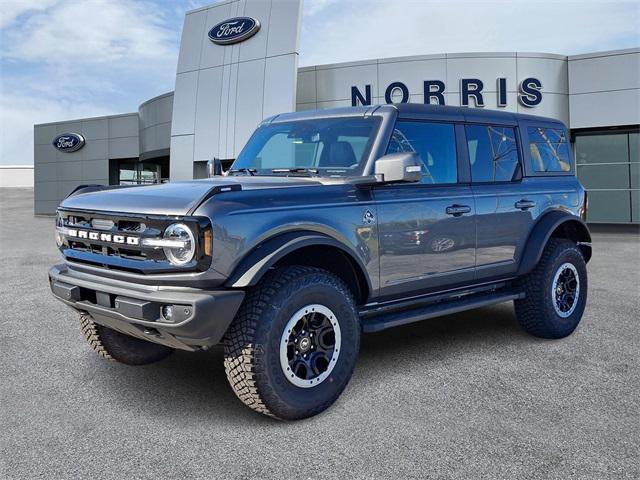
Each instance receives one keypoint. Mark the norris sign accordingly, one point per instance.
(529, 92)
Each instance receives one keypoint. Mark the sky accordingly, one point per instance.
(66, 59)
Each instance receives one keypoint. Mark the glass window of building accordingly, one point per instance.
(608, 166)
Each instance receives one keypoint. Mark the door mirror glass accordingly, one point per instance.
(399, 167)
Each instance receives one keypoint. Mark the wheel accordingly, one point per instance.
(556, 291)
(117, 346)
(291, 349)
(442, 244)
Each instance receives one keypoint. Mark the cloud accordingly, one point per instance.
(12, 9)
(314, 7)
(376, 29)
(73, 59)
(96, 31)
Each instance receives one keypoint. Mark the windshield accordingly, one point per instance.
(326, 147)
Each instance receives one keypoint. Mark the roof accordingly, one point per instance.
(415, 110)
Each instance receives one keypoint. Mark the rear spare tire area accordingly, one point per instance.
(293, 345)
(556, 291)
(113, 345)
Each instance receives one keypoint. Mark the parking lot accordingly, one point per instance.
(464, 396)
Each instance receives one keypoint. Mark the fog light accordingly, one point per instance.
(167, 312)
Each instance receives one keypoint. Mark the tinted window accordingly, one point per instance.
(549, 150)
(493, 153)
(435, 143)
(332, 146)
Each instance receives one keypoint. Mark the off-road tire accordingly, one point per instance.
(536, 312)
(117, 346)
(251, 345)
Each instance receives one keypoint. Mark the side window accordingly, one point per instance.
(549, 150)
(493, 153)
(435, 143)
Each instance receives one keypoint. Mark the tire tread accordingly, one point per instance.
(243, 360)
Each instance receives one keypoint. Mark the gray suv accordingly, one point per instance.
(329, 224)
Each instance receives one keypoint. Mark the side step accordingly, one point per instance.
(396, 318)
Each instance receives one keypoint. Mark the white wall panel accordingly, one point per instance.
(487, 69)
(184, 104)
(257, 47)
(191, 42)
(212, 54)
(96, 129)
(279, 84)
(123, 126)
(207, 124)
(412, 74)
(181, 165)
(490, 101)
(250, 81)
(552, 72)
(306, 86)
(604, 73)
(284, 27)
(604, 109)
(335, 83)
(213, 102)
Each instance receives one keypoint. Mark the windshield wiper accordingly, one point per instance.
(308, 171)
(249, 171)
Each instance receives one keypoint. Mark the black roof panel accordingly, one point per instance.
(417, 110)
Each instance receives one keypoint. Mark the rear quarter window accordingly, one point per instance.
(548, 149)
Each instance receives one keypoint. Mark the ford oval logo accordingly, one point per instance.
(234, 30)
(68, 142)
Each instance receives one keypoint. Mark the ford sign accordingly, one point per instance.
(234, 30)
(69, 142)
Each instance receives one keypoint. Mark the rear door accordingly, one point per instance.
(504, 209)
(426, 229)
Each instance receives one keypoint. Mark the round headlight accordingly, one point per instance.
(179, 255)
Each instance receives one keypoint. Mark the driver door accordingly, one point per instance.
(427, 232)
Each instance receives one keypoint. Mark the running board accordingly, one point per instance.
(396, 318)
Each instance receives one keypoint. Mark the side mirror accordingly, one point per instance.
(399, 167)
(214, 167)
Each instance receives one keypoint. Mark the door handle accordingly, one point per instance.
(457, 210)
(525, 204)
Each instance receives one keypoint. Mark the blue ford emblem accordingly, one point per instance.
(234, 30)
(68, 142)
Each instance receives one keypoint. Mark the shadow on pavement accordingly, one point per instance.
(193, 386)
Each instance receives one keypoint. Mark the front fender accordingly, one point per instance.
(573, 227)
(252, 268)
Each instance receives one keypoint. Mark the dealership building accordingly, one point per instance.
(238, 63)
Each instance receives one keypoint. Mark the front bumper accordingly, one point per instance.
(201, 317)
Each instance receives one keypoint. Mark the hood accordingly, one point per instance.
(175, 198)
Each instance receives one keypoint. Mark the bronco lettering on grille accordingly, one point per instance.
(103, 237)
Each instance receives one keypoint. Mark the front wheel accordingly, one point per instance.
(292, 348)
(556, 291)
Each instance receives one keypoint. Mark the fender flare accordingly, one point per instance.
(264, 256)
(543, 230)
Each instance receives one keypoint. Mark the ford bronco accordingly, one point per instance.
(329, 224)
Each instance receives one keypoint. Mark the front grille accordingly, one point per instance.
(107, 241)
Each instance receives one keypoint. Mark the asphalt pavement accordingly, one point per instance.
(465, 396)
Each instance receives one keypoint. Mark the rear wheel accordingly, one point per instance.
(556, 292)
(292, 348)
(113, 345)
